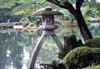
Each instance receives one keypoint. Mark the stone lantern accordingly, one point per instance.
(48, 19)
(48, 26)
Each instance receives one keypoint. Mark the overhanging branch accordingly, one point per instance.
(65, 5)
(56, 2)
(79, 3)
(70, 8)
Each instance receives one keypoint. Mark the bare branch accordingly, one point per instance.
(56, 2)
(70, 8)
(79, 3)
(65, 5)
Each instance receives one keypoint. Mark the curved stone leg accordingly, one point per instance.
(59, 44)
(36, 50)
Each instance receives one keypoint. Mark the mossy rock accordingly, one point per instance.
(81, 57)
(92, 67)
(70, 43)
(94, 43)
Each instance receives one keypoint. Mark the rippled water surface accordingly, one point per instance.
(16, 48)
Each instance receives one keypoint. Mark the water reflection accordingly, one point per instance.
(16, 48)
(12, 51)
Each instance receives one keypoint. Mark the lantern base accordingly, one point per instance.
(48, 27)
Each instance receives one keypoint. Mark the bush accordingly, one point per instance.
(81, 57)
(94, 43)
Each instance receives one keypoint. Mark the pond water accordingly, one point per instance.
(16, 48)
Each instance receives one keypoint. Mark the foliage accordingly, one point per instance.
(91, 9)
(27, 7)
(93, 43)
(81, 57)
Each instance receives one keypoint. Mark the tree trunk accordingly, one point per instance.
(76, 12)
(82, 25)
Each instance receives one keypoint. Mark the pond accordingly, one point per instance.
(16, 47)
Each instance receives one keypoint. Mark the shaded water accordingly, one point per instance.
(16, 48)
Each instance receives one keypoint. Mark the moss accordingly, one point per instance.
(94, 43)
(81, 57)
(69, 44)
(47, 63)
(92, 67)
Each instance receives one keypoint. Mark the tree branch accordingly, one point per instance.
(56, 2)
(65, 5)
(70, 8)
(79, 3)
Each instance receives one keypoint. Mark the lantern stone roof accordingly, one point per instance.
(48, 11)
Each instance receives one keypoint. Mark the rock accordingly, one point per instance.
(81, 57)
(93, 67)
(61, 66)
(69, 44)
(93, 43)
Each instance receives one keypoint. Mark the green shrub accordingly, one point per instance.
(81, 57)
(94, 43)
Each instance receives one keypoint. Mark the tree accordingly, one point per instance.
(91, 9)
(77, 13)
